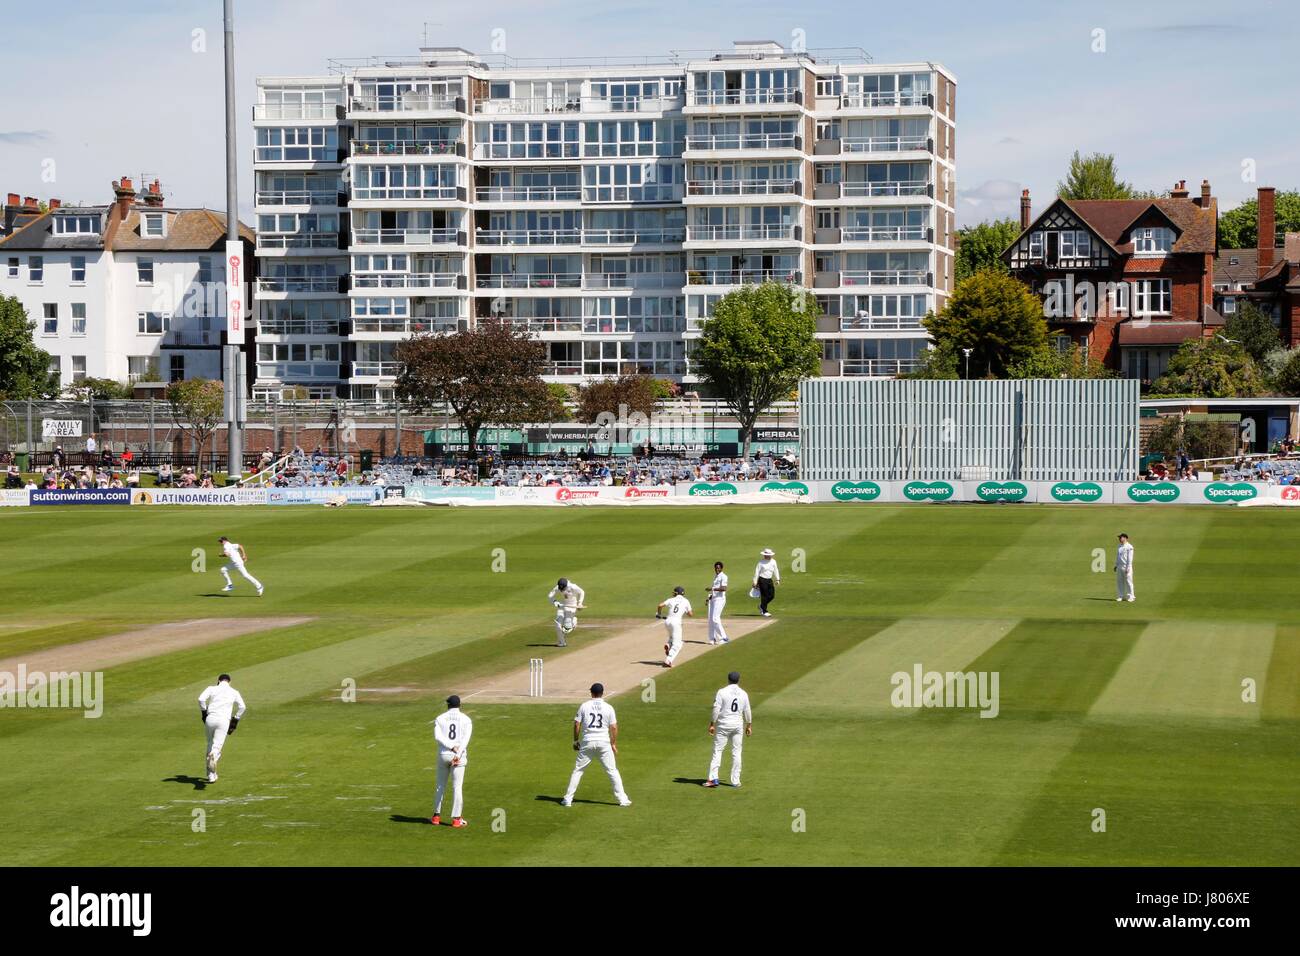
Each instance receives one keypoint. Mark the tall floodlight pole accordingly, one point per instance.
(236, 272)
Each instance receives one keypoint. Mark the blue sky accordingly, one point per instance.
(1183, 90)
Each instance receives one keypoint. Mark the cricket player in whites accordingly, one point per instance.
(452, 731)
(1124, 570)
(732, 720)
(717, 601)
(595, 734)
(677, 606)
(235, 557)
(571, 599)
(216, 707)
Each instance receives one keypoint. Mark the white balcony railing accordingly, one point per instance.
(741, 233)
(885, 277)
(405, 192)
(877, 367)
(563, 368)
(297, 197)
(743, 97)
(744, 141)
(632, 280)
(297, 370)
(632, 237)
(742, 187)
(405, 280)
(880, 323)
(530, 280)
(883, 144)
(528, 193)
(364, 369)
(528, 237)
(741, 277)
(406, 147)
(404, 103)
(295, 111)
(403, 237)
(297, 327)
(890, 98)
(535, 324)
(886, 188)
(302, 240)
(298, 284)
(883, 234)
(414, 325)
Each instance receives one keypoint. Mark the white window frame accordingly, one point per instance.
(153, 225)
(1148, 290)
(78, 376)
(1152, 241)
(142, 323)
(73, 266)
(140, 270)
(46, 318)
(78, 320)
(12, 267)
(36, 270)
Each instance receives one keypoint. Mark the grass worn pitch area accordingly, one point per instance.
(1135, 709)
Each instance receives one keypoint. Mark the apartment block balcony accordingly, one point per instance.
(562, 368)
(879, 277)
(409, 102)
(880, 144)
(191, 339)
(742, 277)
(528, 194)
(743, 141)
(332, 285)
(887, 189)
(329, 198)
(632, 280)
(408, 280)
(897, 99)
(529, 280)
(567, 324)
(434, 194)
(365, 369)
(298, 242)
(326, 327)
(540, 105)
(766, 232)
(409, 237)
(279, 371)
(633, 237)
(876, 368)
(331, 112)
(528, 237)
(743, 97)
(875, 323)
(364, 149)
(884, 234)
(405, 326)
(743, 187)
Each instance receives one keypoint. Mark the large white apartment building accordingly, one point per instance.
(129, 291)
(603, 207)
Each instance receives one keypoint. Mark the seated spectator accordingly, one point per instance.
(165, 475)
(13, 477)
(117, 483)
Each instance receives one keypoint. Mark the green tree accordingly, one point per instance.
(198, 406)
(939, 360)
(997, 318)
(1211, 368)
(1239, 226)
(1284, 368)
(1051, 362)
(617, 397)
(101, 389)
(761, 340)
(1198, 439)
(1093, 177)
(981, 246)
(24, 369)
(488, 375)
(1253, 328)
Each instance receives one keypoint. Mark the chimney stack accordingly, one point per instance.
(1205, 194)
(13, 199)
(56, 203)
(1024, 209)
(1266, 238)
(31, 202)
(153, 195)
(125, 193)
(1179, 191)
(1292, 248)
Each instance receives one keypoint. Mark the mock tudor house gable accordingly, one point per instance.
(1126, 280)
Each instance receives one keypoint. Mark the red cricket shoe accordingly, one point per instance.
(436, 820)
(459, 822)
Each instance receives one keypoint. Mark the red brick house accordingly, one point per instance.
(1272, 281)
(1128, 280)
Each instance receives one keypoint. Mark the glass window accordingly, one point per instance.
(144, 271)
(78, 318)
(78, 368)
(36, 269)
(78, 268)
(51, 326)
(152, 226)
(13, 267)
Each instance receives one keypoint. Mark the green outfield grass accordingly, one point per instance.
(1135, 709)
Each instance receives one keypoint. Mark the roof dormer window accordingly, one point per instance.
(1152, 241)
(153, 225)
(76, 225)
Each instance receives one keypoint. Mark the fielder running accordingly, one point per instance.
(717, 601)
(1124, 570)
(452, 731)
(595, 735)
(572, 599)
(677, 607)
(235, 558)
(216, 705)
(732, 720)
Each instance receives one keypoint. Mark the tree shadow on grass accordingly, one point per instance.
(198, 782)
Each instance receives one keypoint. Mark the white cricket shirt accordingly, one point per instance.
(596, 717)
(676, 606)
(731, 707)
(1124, 557)
(570, 597)
(453, 729)
(220, 699)
(231, 551)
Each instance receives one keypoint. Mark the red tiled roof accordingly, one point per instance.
(1111, 219)
(1159, 333)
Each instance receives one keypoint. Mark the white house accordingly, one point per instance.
(128, 291)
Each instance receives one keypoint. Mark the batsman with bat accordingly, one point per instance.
(571, 599)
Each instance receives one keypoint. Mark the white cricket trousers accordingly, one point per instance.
(674, 640)
(239, 566)
(716, 631)
(597, 750)
(1124, 584)
(457, 774)
(563, 614)
(216, 728)
(736, 734)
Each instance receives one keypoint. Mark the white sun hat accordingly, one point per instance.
(768, 553)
